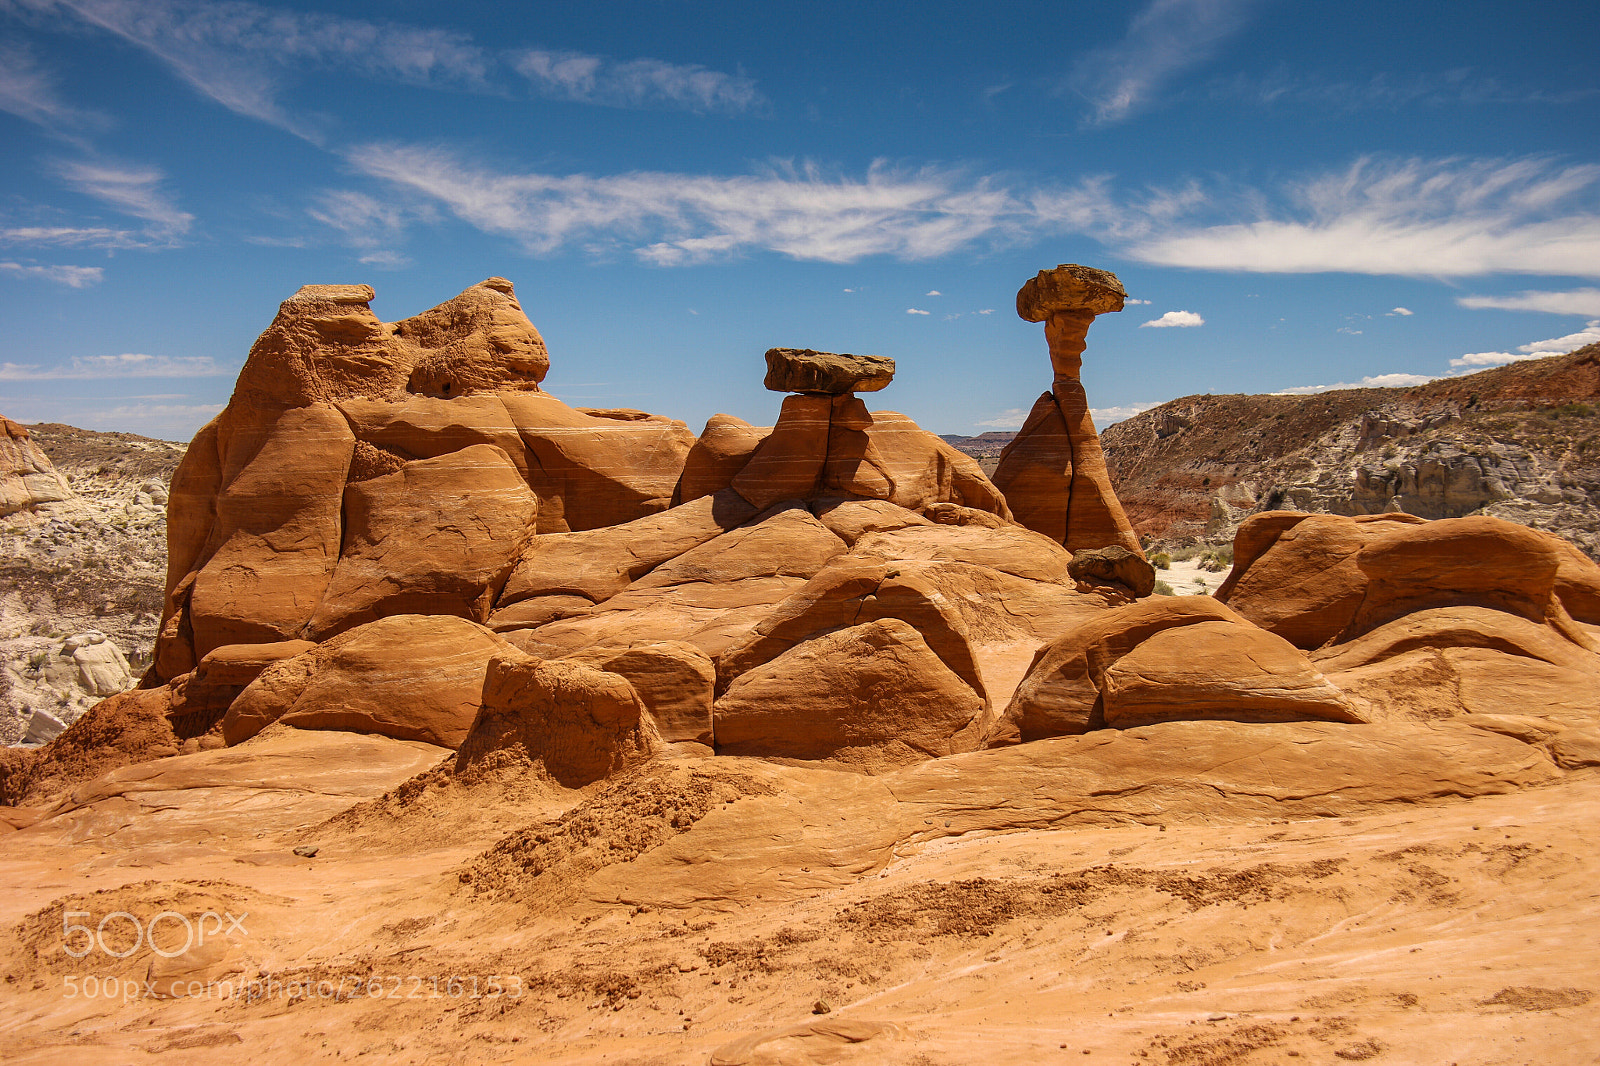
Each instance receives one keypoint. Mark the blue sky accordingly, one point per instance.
(1301, 195)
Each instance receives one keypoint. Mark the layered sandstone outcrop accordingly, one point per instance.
(27, 477)
(826, 443)
(1053, 471)
(364, 468)
(393, 530)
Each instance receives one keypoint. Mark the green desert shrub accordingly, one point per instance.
(1161, 561)
(1164, 589)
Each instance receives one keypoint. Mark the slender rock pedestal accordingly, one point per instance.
(1054, 474)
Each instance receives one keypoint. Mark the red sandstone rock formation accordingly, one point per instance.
(826, 443)
(1053, 473)
(364, 468)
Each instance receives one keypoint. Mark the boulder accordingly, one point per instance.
(1476, 561)
(1114, 565)
(675, 681)
(1242, 673)
(784, 541)
(591, 471)
(438, 536)
(710, 596)
(410, 677)
(1218, 670)
(427, 427)
(873, 695)
(102, 669)
(568, 721)
(724, 448)
(1010, 549)
(1577, 583)
(851, 519)
(805, 370)
(1069, 287)
(1296, 575)
(200, 699)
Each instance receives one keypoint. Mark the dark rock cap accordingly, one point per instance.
(1069, 287)
(804, 370)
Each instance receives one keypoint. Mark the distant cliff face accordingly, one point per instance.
(1519, 442)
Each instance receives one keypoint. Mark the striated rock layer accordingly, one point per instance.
(1053, 470)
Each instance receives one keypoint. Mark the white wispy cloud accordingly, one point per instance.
(1446, 218)
(1165, 40)
(31, 93)
(1571, 342)
(631, 83)
(127, 365)
(1181, 319)
(1386, 91)
(1350, 330)
(675, 219)
(1571, 302)
(1376, 381)
(917, 311)
(132, 189)
(1012, 418)
(933, 292)
(240, 54)
(1131, 302)
(1429, 218)
(75, 237)
(1108, 416)
(76, 277)
(1590, 334)
(1398, 312)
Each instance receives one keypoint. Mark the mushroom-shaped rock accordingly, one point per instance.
(1232, 670)
(411, 677)
(569, 720)
(805, 370)
(1053, 473)
(1069, 287)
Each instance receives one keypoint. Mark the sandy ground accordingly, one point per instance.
(1187, 579)
(1455, 932)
